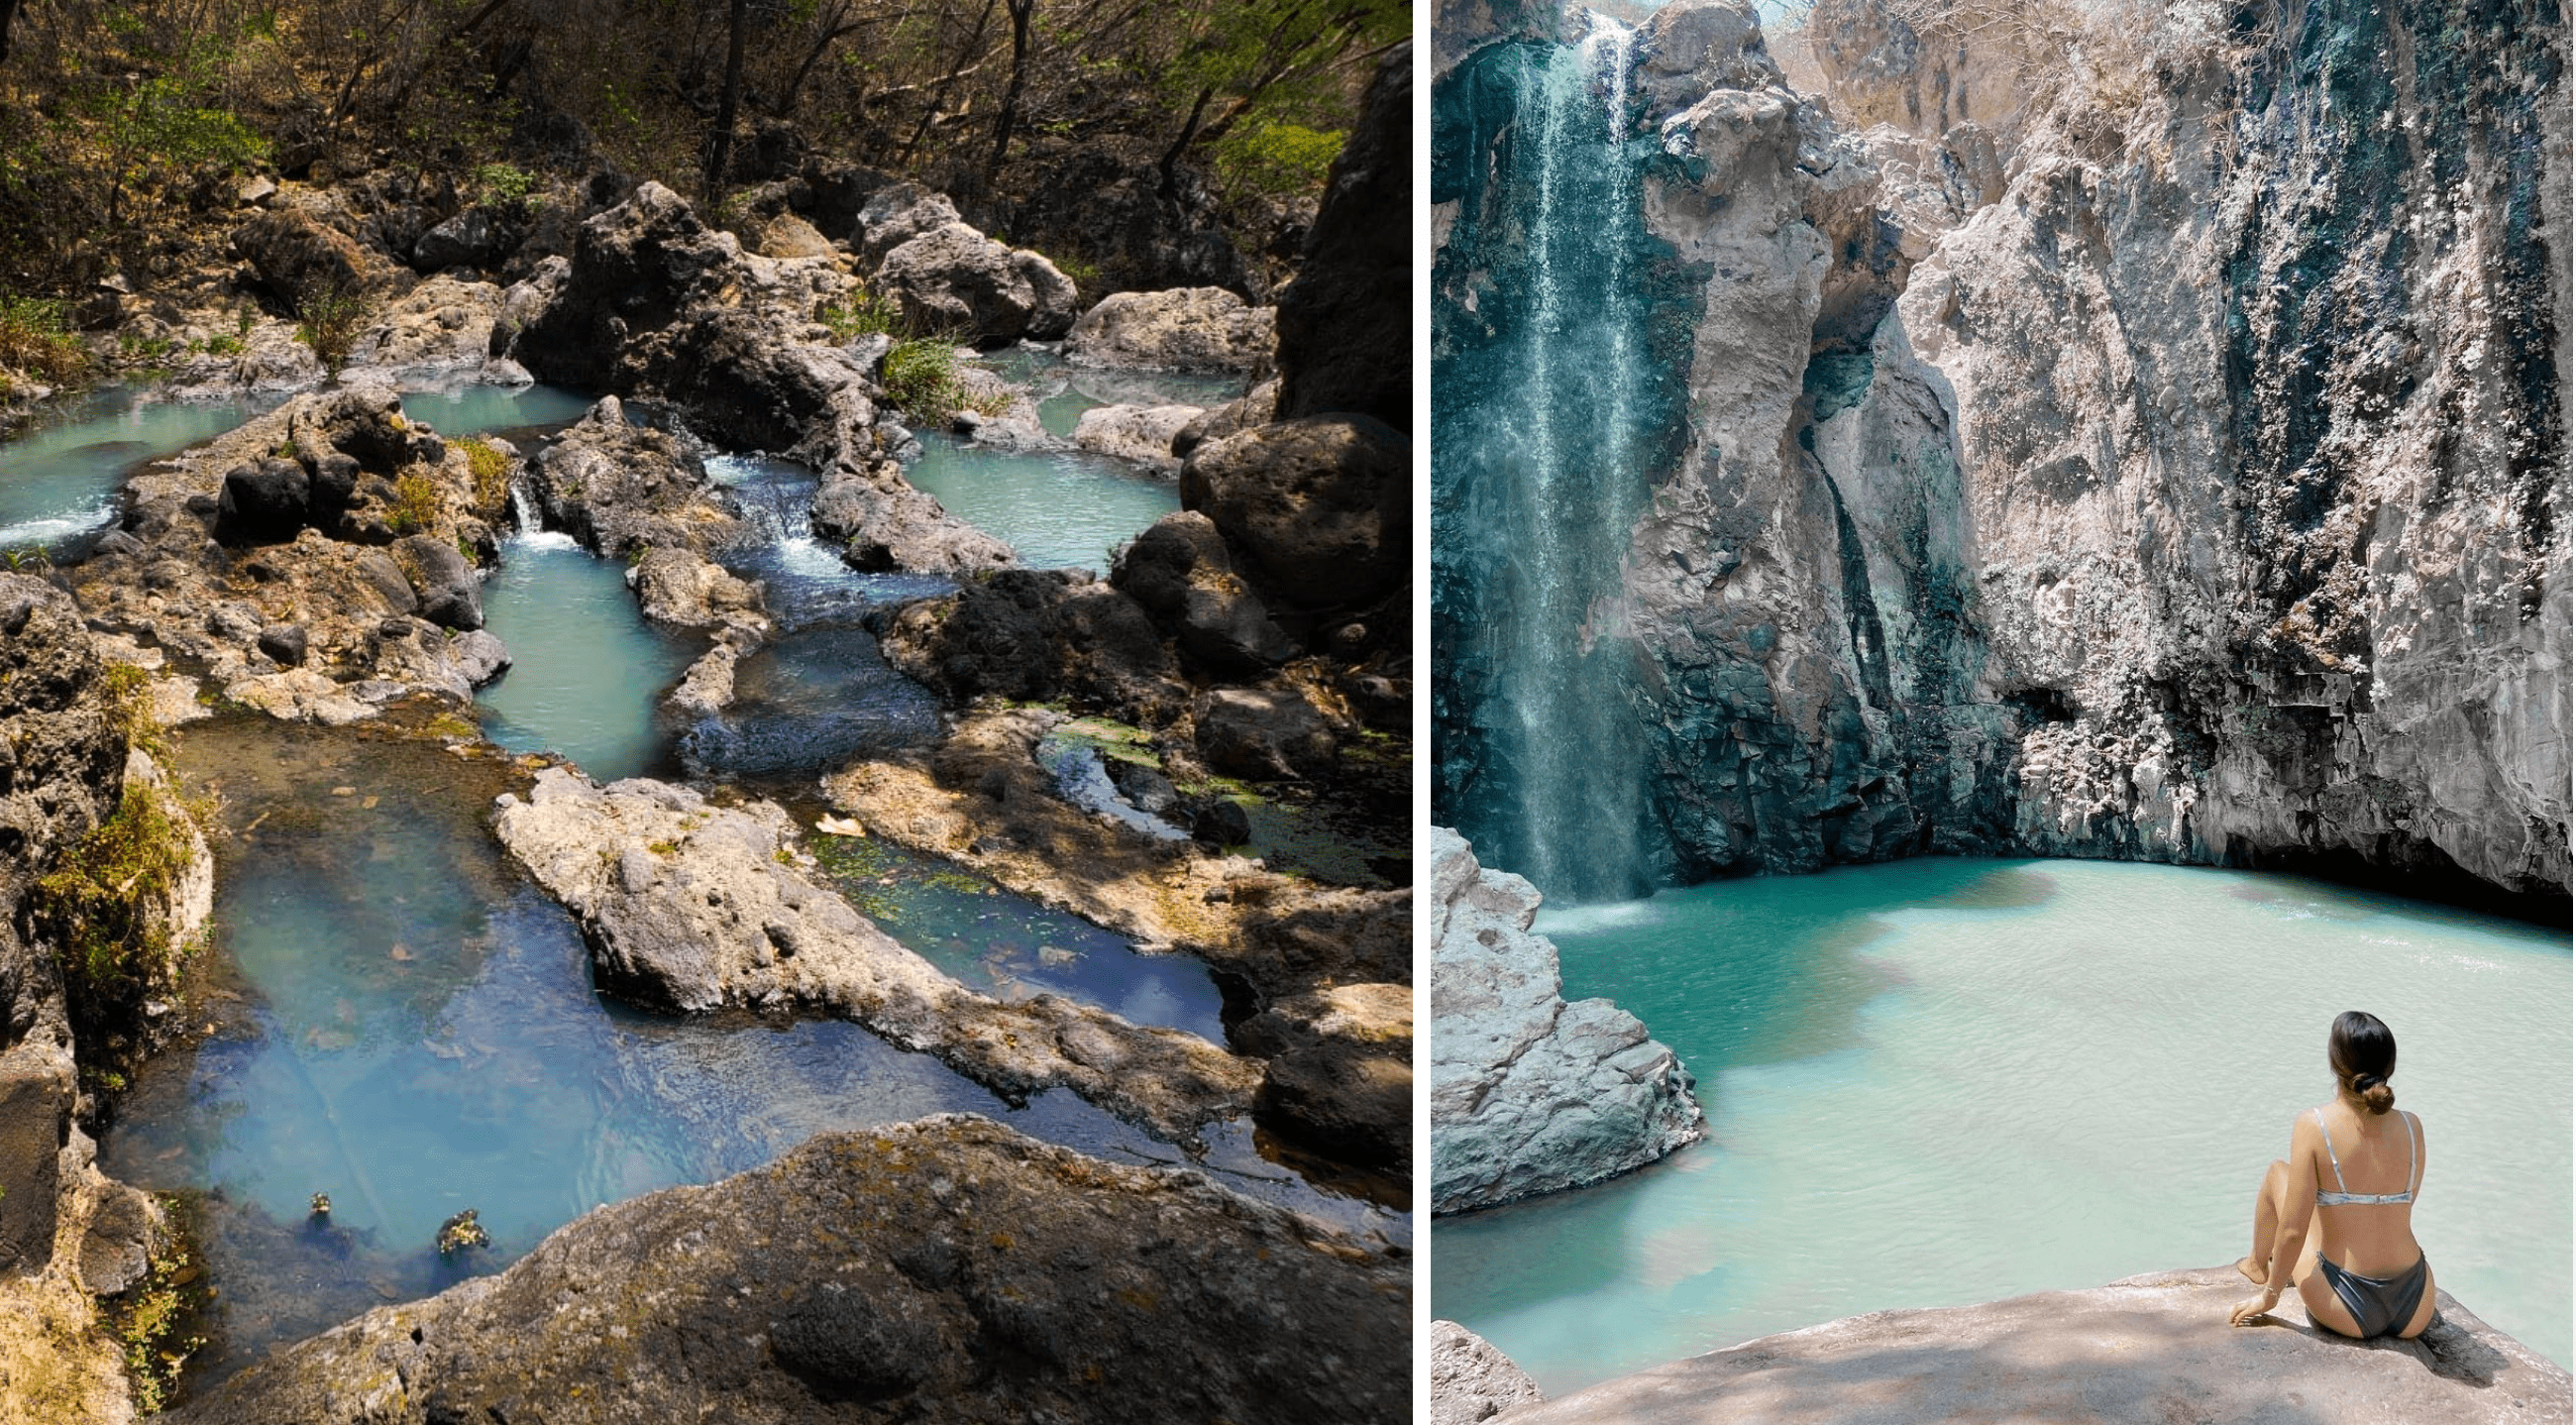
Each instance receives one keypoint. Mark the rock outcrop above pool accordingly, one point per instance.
(1530, 1094)
(2180, 476)
(1471, 1382)
(67, 1232)
(2142, 1351)
(948, 1269)
(310, 564)
(693, 906)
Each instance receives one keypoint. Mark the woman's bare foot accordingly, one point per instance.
(2254, 1272)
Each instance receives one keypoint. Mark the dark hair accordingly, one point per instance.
(2364, 1054)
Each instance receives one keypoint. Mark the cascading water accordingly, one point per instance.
(1548, 396)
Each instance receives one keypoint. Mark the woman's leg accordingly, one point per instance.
(2269, 1200)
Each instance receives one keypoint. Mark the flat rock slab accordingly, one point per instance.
(944, 1270)
(2152, 1350)
(688, 905)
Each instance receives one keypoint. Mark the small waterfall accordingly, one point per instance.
(523, 511)
(1543, 467)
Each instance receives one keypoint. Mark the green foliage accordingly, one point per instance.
(100, 907)
(862, 313)
(920, 377)
(502, 183)
(1276, 160)
(151, 1323)
(328, 319)
(36, 338)
(491, 472)
(416, 502)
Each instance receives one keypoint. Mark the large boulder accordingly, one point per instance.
(263, 502)
(635, 268)
(1179, 572)
(882, 523)
(1266, 734)
(1038, 635)
(1322, 507)
(1530, 1094)
(896, 214)
(297, 256)
(1142, 434)
(1346, 323)
(1339, 1071)
(2142, 1351)
(947, 1270)
(617, 488)
(1207, 329)
(953, 278)
(451, 595)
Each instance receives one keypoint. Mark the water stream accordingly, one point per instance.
(60, 479)
(1543, 415)
(1949, 1081)
(392, 1015)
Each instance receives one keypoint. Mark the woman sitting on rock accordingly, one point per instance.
(2338, 1217)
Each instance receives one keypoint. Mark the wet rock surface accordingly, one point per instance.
(691, 906)
(947, 1269)
(1530, 1094)
(2143, 1349)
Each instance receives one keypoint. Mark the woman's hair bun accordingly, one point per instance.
(2375, 1093)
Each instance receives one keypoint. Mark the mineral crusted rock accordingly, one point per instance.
(2140, 1351)
(1530, 1094)
(691, 906)
(891, 1270)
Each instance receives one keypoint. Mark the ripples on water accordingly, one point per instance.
(1949, 1081)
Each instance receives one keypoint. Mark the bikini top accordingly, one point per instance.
(2347, 1199)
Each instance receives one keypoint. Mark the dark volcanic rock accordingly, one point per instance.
(618, 487)
(1346, 323)
(265, 503)
(1262, 733)
(953, 278)
(1038, 635)
(1322, 506)
(1339, 1075)
(284, 642)
(450, 594)
(949, 1270)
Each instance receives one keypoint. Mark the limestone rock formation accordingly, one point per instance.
(618, 487)
(1471, 1382)
(1186, 329)
(1530, 1094)
(691, 906)
(885, 1271)
(2145, 1349)
(1039, 636)
(1142, 434)
(2041, 472)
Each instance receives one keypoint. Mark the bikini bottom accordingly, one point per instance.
(2379, 1305)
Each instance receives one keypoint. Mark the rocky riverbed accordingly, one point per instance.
(1234, 791)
